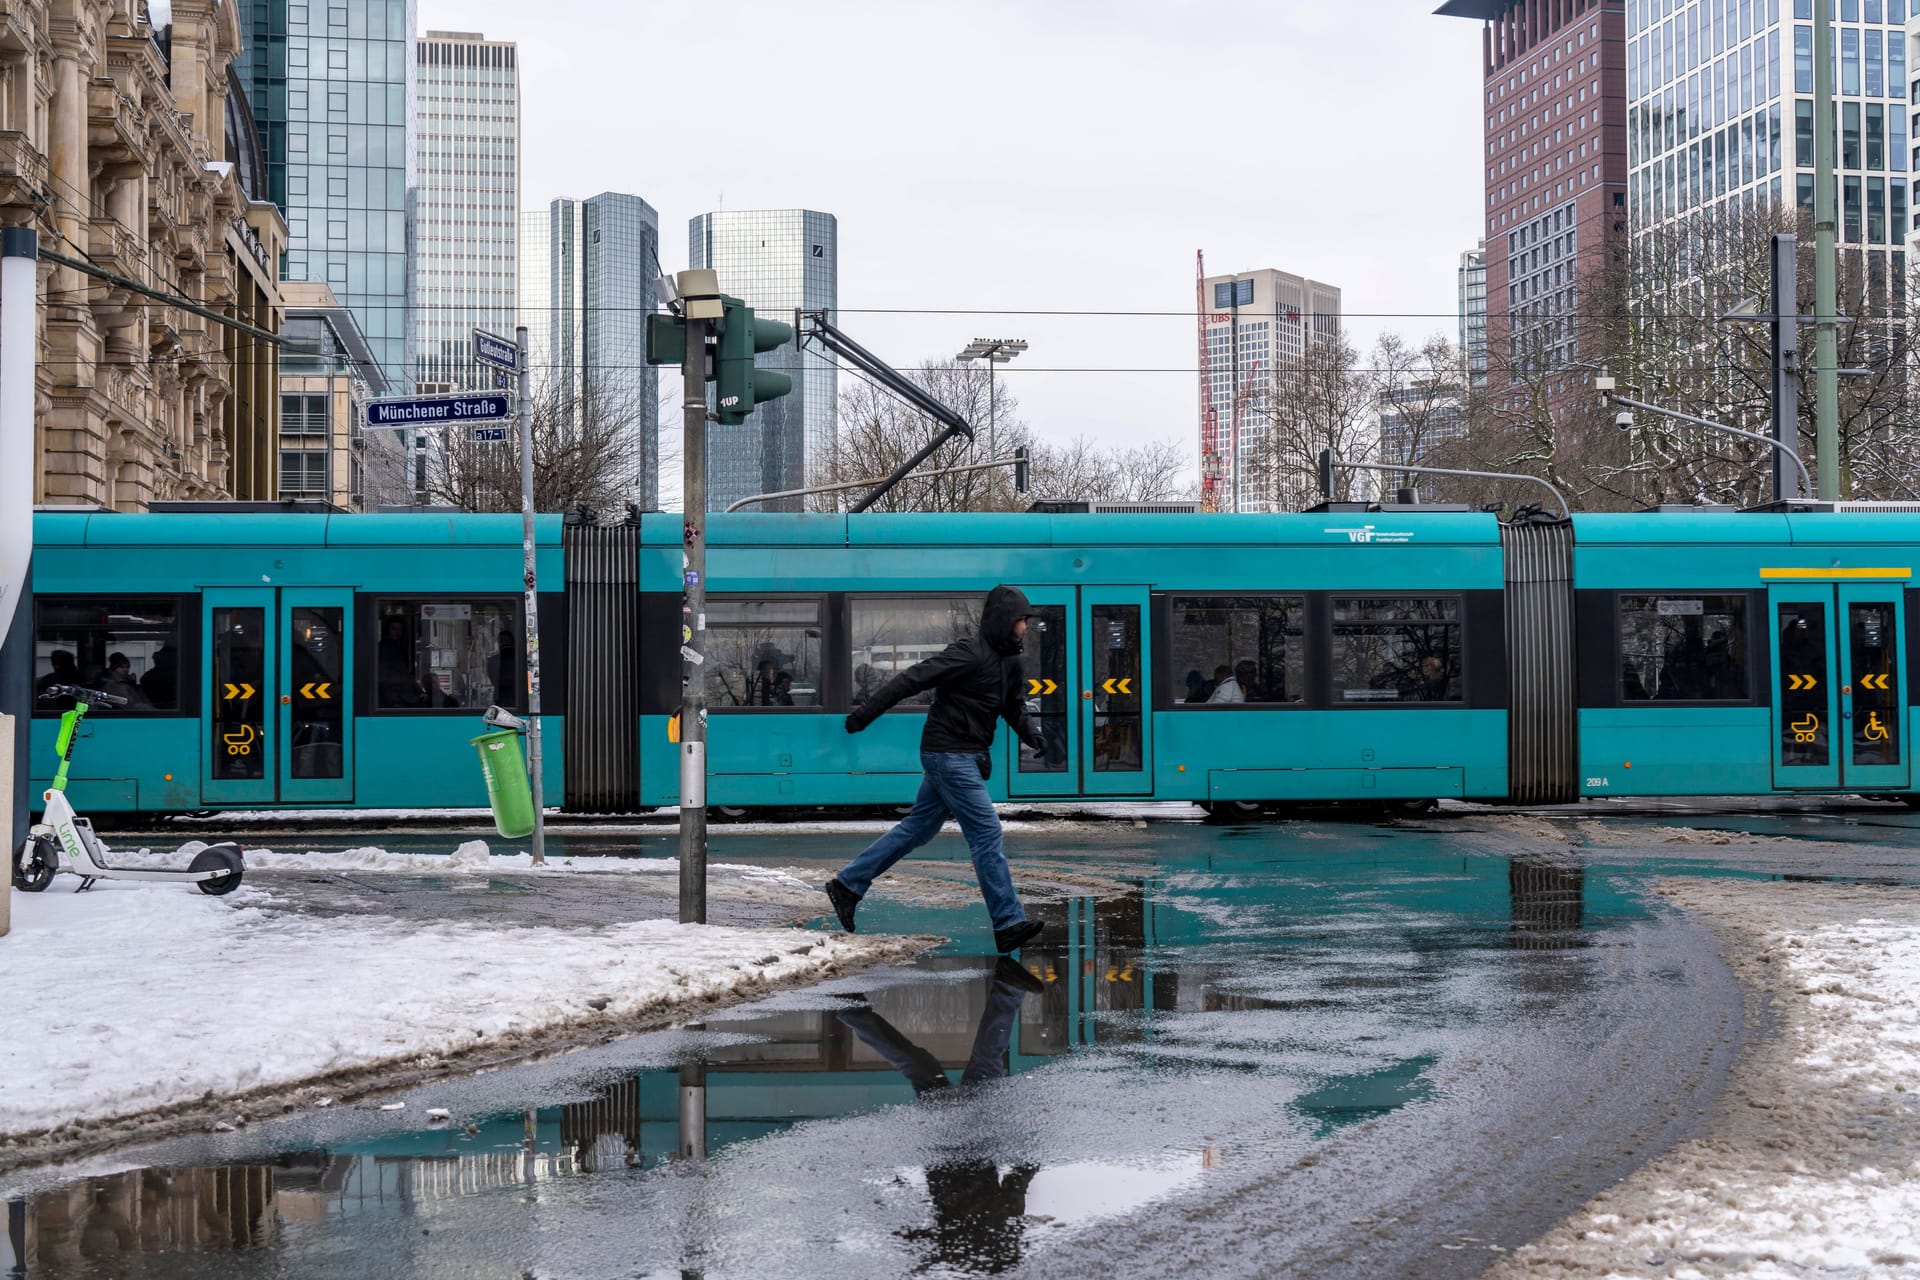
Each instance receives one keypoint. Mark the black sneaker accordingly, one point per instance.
(1011, 940)
(1008, 972)
(844, 902)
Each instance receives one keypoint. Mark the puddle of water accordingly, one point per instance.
(1246, 998)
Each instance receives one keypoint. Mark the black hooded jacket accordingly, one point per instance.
(974, 681)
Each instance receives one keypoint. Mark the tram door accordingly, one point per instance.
(1113, 697)
(276, 696)
(1086, 666)
(1839, 702)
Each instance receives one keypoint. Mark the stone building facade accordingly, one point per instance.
(125, 144)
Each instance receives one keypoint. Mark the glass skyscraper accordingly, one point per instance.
(603, 256)
(331, 86)
(1473, 315)
(536, 274)
(777, 261)
(1720, 114)
(467, 203)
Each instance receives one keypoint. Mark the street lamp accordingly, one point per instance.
(995, 351)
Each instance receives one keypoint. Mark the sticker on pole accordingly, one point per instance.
(688, 652)
(693, 577)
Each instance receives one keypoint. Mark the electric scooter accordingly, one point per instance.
(216, 869)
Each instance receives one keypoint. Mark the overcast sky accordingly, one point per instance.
(1031, 154)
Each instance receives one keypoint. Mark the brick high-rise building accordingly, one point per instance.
(1555, 85)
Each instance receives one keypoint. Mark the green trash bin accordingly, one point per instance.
(508, 789)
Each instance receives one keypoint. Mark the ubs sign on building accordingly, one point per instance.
(777, 261)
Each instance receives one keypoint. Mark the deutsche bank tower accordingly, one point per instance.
(776, 261)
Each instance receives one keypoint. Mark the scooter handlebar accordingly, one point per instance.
(80, 694)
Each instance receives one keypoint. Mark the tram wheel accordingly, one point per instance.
(728, 812)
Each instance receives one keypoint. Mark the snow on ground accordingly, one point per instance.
(473, 857)
(144, 997)
(1811, 1165)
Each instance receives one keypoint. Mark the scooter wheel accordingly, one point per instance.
(42, 865)
(216, 857)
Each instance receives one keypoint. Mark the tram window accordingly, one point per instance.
(762, 654)
(436, 654)
(892, 633)
(1689, 648)
(1398, 649)
(1237, 650)
(129, 647)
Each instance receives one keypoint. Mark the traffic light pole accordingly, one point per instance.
(525, 412)
(693, 627)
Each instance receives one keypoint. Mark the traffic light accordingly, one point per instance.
(1326, 474)
(666, 339)
(1022, 469)
(741, 386)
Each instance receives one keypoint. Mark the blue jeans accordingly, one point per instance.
(952, 786)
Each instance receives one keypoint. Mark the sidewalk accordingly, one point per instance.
(144, 1009)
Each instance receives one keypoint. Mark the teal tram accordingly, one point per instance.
(1389, 655)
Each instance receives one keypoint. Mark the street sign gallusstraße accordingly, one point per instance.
(458, 409)
(491, 348)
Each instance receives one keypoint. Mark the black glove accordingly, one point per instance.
(856, 722)
(1038, 740)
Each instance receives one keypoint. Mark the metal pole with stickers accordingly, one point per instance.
(700, 300)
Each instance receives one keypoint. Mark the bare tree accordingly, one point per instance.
(588, 450)
(1082, 471)
(1418, 400)
(879, 432)
(1650, 312)
(1320, 399)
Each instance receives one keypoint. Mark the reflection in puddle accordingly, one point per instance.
(1327, 990)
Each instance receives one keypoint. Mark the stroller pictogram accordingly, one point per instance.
(241, 743)
(1805, 728)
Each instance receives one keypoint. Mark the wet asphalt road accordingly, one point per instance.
(1303, 1048)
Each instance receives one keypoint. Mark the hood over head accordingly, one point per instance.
(1005, 606)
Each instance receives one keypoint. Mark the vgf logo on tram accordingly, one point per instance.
(1371, 533)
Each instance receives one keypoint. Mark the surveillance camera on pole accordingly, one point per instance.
(1624, 420)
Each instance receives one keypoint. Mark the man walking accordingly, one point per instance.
(976, 682)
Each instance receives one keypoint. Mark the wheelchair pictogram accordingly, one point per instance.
(1805, 728)
(1876, 731)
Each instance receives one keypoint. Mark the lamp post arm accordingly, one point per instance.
(1806, 479)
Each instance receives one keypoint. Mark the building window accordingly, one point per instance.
(763, 653)
(1236, 650)
(127, 646)
(303, 415)
(889, 634)
(1399, 649)
(305, 471)
(1683, 649)
(439, 654)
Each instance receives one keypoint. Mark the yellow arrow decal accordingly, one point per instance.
(1797, 683)
(324, 695)
(1051, 687)
(233, 693)
(306, 690)
(1106, 686)
(1033, 686)
(1126, 686)
(246, 690)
